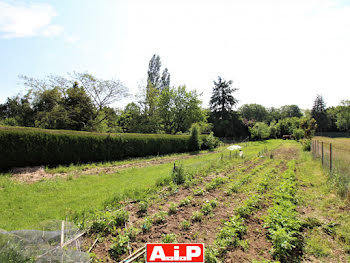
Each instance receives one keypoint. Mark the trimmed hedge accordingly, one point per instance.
(30, 146)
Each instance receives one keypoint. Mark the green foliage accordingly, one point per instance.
(185, 225)
(298, 134)
(306, 145)
(178, 175)
(146, 225)
(198, 192)
(260, 131)
(142, 207)
(215, 183)
(249, 206)
(30, 147)
(186, 201)
(197, 216)
(206, 209)
(119, 245)
(159, 218)
(194, 143)
(169, 238)
(132, 232)
(211, 255)
(106, 222)
(210, 142)
(172, 209)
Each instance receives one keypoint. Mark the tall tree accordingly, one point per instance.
(343, 116)
(154, 77)
(289, 111)
(222, 100)
(225, 120)
(255, 112)
(319, 113)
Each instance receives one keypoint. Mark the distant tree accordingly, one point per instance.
(255, 112)
(309, 126)
(289, 111)
(319, 113)
(226, 122)
(154, 77)
(222, 100)
(343, 116)
(260, 131)
(273, 114)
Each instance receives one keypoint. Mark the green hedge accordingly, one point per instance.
(30, 146)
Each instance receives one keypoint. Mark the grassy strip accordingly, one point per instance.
(282, 221)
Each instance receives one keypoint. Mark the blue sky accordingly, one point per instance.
(276, 52)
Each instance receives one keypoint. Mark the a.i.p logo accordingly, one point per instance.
(174, 253)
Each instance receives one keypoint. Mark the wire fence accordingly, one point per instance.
(336, 160)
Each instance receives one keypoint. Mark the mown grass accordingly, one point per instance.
(26, 205)
(328, 241)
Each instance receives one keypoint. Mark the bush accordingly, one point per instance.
(298, 134)
(32, 146)
(194, 143)
(306, 143)
(260, 131)
(210, 142)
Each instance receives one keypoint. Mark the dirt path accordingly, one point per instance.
(38, 173)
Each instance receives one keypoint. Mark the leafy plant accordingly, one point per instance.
(207, 209)
(142, 207)
(119, 245)
(146, 225)
(196, 216)
(169, 238)
(105, 222)
(172, 209)
(198, 192)
(186, 201)
(159, 218)
(185, 225)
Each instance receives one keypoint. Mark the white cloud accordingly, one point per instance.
(27, 20)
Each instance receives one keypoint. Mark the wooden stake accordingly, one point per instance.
(62, 234)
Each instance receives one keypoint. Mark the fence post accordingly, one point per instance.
(330, 158)
(322, 154)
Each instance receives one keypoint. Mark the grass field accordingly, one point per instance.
(273, 204)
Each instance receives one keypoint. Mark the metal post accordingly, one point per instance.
(322, 154)
(330, 158)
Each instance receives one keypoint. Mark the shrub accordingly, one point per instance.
(306, 143)
(169, 238)
(178, 174)
(210, 142)
(32, 146)
(194, 143)
(298, 134)
(260, 131)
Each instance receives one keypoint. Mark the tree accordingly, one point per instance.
(226, 121)
(153, 74)
(319, 113)
(222, 100)
(343, 116)
(289, 111)
(255, 112)
(260, 131)
(102, 92)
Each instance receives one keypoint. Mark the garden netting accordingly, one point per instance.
(43, 244)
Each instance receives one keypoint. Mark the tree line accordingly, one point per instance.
(80, 101)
